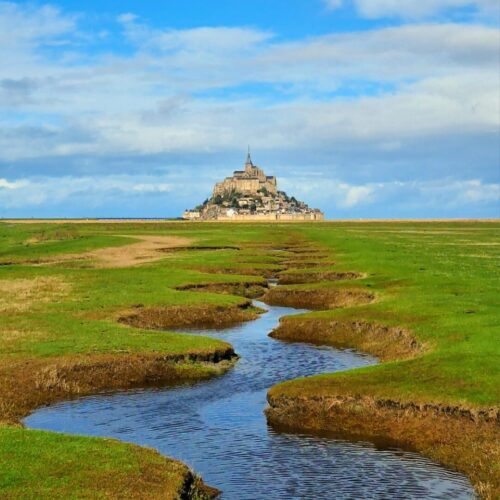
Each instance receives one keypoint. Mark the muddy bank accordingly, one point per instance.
(194, 316)
(195, 489)
(311, 251)
(294, 278)
(385, 342)
(306, 264)
(463, 439)
(249, 290)
(317, 299)
(266, 272)
(306, 256)
(197, 249)
(46, 381)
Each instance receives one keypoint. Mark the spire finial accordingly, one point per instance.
(249, 159)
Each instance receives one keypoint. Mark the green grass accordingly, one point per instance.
(441, 281)
(72, 315)
(81, 321)
(20, 242)
(37, 464)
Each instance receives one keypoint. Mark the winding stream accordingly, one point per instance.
(219, 428)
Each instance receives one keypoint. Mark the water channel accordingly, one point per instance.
(218, 428)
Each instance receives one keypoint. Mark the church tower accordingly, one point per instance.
(248, 164)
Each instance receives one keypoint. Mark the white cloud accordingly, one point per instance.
(334, 4)
(5, 184)
(29, 24)
(354, 195)
(204, 40)
(422, 8)
(416, 9)
(179, 93)
(220, 40)
(127, 17)
(475, 192)
(54, 190)
(147, 103)
(330, 193)
(435, 194)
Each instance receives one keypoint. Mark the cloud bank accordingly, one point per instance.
(374, 113)
(409, 9)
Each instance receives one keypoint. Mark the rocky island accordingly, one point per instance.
(252, 195)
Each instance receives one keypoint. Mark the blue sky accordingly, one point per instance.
(363, 108)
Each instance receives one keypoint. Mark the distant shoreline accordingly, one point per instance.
(110, 220)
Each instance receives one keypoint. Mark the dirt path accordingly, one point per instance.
(148, 249)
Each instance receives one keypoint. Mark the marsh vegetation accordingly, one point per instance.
(84, 309)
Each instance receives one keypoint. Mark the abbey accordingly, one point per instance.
(248, 181)
(251, 195)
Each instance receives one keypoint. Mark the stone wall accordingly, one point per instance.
(242, 185)
(273, 217)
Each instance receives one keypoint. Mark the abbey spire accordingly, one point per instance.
(248, 163)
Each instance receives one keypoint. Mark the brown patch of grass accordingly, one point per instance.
(304, 250)
(46, 381)
(308, 257)
(10, 336)
(198, 249)
(244, 271)
(385, 342)
(464, 440)
(59, 235)
(195, 316)
(249, 290)
(295, 278)
(18, 295)
(148, 249)
(306, 264)
(321, 298)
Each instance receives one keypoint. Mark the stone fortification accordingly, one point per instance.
(251, 195)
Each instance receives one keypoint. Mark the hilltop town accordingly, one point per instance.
(250, 194)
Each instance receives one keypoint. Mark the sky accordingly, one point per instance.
(362, 108)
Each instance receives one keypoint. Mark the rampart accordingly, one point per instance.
(272, 217)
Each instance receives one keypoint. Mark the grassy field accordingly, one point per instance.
(433, 321)
(441, 282)
(61, 300)
(81, 305)
(38, 464)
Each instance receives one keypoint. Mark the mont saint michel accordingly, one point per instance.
(250, 194)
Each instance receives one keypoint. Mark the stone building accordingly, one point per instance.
(251, 195)
(251, 180)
